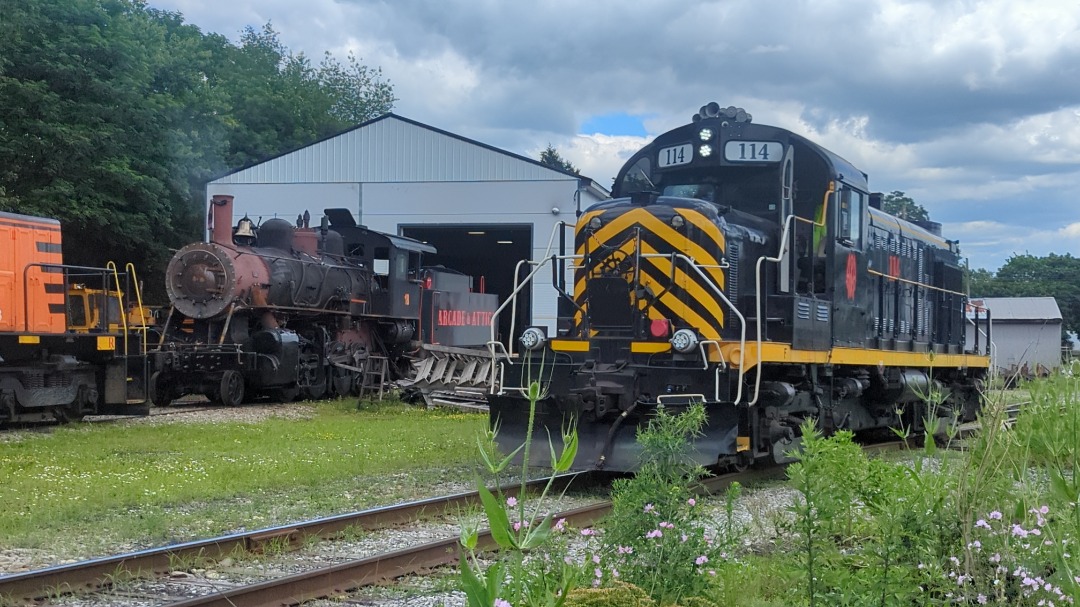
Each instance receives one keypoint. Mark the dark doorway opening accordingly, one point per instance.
(489, 253)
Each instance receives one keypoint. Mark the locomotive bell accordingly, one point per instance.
(245, 228)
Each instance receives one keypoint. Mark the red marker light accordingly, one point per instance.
(659, 327)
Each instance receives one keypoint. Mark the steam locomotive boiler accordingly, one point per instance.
(287, 311)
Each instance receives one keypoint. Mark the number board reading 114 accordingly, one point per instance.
(674, 156)
(753, 151)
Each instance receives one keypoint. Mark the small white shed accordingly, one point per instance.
(1025, 334)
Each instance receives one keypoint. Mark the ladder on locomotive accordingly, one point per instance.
(373, 379)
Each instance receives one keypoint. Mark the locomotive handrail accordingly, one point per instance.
(785, 236)
(513, 298)
(145, 329)
(62, 268)
(111, 265)
(517, 287)
(742, 325)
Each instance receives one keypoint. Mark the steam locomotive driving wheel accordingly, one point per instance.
(231, 389)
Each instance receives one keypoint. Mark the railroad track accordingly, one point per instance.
(319, 582)
(93, 575)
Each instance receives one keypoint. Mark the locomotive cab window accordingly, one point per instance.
(637, 178)
(76, 311)
(852, 209)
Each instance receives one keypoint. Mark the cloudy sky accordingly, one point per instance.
(970, 107)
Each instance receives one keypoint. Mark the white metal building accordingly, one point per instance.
(482, 207)
(1025, 334)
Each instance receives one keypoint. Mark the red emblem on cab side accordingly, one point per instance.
(850, 277)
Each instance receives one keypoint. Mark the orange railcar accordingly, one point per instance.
(48, 370)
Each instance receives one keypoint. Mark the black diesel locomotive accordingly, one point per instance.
(294, 311)
(747, 268)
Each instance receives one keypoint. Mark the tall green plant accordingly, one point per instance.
(658, 537)
(544, 578)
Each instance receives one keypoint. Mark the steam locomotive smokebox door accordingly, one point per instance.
(609, 302)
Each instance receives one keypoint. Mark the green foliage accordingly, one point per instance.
(996, 522)
(656, 536)
(546, 577)
(151, 483)
(899, 204)
(550, 157)
(115, 115)
(618, 594)
(1026, 275)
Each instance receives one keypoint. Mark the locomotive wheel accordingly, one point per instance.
(344, 380)
(159, 393)
(231, 390)
(314, 391)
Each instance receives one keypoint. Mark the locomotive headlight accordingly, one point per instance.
(705, 151)
(684, 340)
(677, 221)
(532, 338)
(705, 134)
(595, 223)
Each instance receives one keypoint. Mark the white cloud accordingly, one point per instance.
(968, 106)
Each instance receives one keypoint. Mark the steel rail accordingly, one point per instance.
(95, 574)
(382, 568)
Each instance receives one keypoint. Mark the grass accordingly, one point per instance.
(155, 484)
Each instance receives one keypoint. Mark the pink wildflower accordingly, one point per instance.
(654, 533)
(517, 526)
(701, 560)
(598, 573)
(995, 515)
(982, 523)
(626, 550)
(649, 508)
(982, 599)
(560, 524)
(692, 502)
(588, 532)
(667, 525)
(511, 501)
(712, 572)
(502, 603)
(596, 558)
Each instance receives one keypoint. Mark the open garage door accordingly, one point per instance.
(487, 252)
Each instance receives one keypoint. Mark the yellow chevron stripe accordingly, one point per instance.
(679, 242)
(669, 299)
(690, 285)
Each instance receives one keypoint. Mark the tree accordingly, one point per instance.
(1026, 275)
(897, 203)
(114, 115)
(551, 158)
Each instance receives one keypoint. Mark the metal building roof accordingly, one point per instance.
(393, 149)
(1020, 308)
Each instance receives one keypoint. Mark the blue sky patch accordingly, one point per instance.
(614, 124)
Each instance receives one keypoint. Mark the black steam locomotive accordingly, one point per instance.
(294, 311)
(744, 267)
